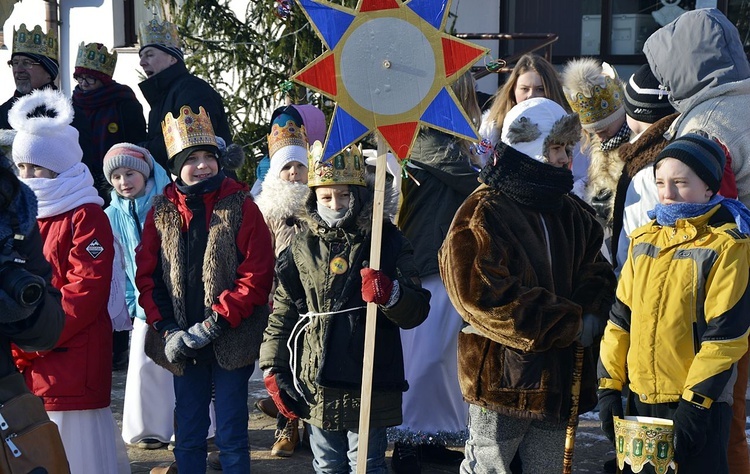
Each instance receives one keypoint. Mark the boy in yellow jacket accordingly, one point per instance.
(680, 321)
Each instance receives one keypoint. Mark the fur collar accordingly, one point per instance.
(280, 199)
(643, 151)
(359, 216)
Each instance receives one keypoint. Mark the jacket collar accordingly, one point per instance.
(155, 86)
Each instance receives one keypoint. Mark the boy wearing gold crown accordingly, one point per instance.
(204, 271)
(169, 86)
(319, 312)
(112, 109)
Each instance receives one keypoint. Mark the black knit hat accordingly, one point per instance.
(702, 155)
(644, 100)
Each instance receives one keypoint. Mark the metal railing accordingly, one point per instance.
(545, 43)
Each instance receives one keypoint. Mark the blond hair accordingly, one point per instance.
(505, 97)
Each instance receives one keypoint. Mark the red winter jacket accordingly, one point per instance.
(77, 373)
(254, 273)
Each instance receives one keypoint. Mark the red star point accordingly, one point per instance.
(374, 5)
(457, 54)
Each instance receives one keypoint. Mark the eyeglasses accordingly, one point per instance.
(89, 80)
(25, 64)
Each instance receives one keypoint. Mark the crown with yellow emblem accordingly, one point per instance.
(286, 135)
(34, 42)
(189, 129)
(594, 92)
(95, 57)
(347, 167)
(162, 34)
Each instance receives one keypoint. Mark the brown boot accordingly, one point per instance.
(286, 439)
(267, 407)
(171, 469)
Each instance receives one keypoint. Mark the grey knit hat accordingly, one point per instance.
(130, 156)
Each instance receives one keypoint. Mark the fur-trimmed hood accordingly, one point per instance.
(642, 152)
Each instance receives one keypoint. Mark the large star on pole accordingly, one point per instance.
(388, 68)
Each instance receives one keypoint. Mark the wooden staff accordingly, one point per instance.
(575, 395)
(372, 311)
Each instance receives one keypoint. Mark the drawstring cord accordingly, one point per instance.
(297, 331)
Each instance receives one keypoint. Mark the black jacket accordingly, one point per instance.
(445, 178)
(42, 328)
(170, 90)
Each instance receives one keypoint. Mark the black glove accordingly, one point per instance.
(592, 328)
(610, 405)
(690, 430)
(290, 403)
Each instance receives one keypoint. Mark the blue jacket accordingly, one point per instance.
(122, 215)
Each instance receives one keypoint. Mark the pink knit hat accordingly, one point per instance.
(130, 156)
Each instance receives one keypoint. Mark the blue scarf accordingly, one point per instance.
(667, 214)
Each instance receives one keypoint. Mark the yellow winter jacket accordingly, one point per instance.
(682, 313)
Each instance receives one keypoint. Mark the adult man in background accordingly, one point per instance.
(34, 65)
(169, 86)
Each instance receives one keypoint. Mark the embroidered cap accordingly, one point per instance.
(347, 167)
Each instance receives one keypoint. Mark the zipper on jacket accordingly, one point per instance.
(134, 215)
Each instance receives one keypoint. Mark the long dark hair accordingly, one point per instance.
(9, 184)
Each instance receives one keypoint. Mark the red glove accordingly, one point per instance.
(281, 390)
(376, 287)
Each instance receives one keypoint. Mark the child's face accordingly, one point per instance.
(528, 86)
(128, 182)
(677, 182)
(294, 172)
(27, 170)
(334, 197)
(559, 155)
(199, 166)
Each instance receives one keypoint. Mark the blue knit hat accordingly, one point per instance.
(702, 155)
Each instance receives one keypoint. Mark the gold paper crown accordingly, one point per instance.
(34, 42)
(289, 134)
(154, 32)
(603, 104)
(348, 167)
(189, 129)
(91, 56)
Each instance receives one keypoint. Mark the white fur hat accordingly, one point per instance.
(44, 136)
(531, 126)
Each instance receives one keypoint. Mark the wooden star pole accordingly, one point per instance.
(380, 84)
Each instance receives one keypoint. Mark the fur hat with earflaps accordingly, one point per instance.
(533, 125)
(44, 136)
(594, 92)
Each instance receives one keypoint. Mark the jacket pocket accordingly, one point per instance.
(63, 371)
(518, 370)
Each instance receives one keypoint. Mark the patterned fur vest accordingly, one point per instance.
(236, 347)
(605, 168)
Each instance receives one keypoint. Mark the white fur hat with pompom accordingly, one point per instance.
(44, 136)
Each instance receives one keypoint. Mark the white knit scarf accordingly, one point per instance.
(70, 189)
